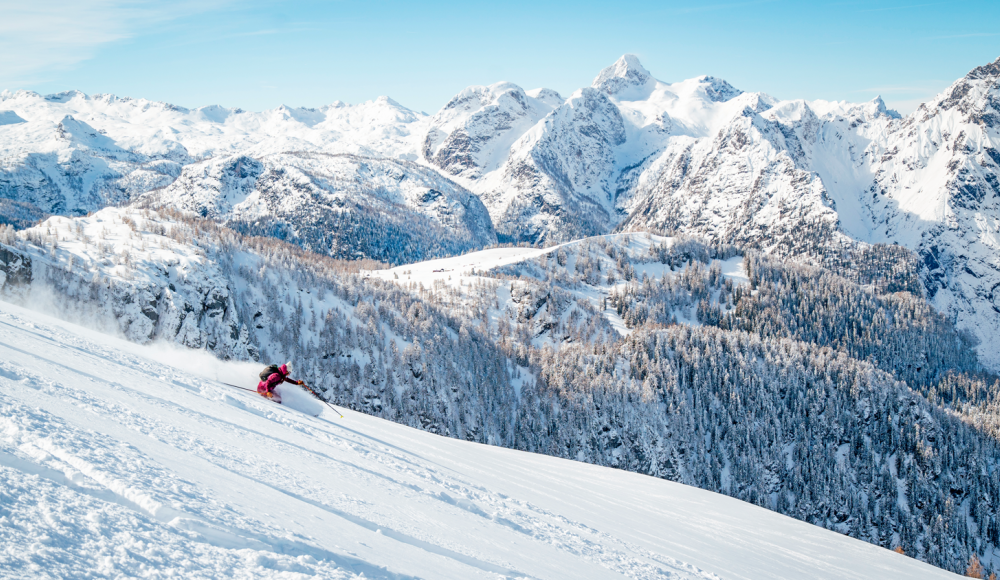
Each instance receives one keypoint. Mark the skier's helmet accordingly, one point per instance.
(288, 368)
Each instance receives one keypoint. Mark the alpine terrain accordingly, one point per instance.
(119, 461)
(789, 303)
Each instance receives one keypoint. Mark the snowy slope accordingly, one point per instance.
(572, 281)
(113, 464)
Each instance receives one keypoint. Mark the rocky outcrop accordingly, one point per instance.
(15, 270)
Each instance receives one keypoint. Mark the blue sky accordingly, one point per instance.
(258, 55)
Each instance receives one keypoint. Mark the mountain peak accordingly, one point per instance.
(718, 90)
(971, 94)
(878, 104)
(384, 100)
(625, 72)
(987, 71)
(877, 108)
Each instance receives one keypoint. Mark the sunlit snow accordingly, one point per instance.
(114, 463)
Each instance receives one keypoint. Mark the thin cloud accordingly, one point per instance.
(251, 33)
(37, 38)
(271, 31)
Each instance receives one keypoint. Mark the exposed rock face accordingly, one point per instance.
(15, 270)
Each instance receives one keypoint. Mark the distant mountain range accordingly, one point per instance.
(801, 179)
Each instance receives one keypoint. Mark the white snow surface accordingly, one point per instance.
(458, 269)
(124, 461)
(380, 127)
(469, 270)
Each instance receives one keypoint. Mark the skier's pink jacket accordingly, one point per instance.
(274, 380)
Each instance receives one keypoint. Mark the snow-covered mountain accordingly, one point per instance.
(382, 127)
(71, 154)
(806, 178)
(342, 205)
(124, 461)
(474, 131)
(802, 179)
(315, 176)
(936, 190)
(563, 176)
(541, 165)
(629, 152)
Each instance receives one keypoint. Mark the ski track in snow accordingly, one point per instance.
(113, 464)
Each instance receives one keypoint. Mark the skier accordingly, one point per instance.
(271, 377)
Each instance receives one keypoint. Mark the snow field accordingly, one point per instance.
(379, 127)
(462, 272)
(116, 464)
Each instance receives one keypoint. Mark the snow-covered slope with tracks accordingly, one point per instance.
(114, 463)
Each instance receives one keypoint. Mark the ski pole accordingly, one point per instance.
(315, 394)
(246, 389)
(235, 387)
